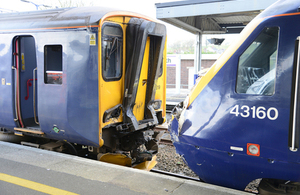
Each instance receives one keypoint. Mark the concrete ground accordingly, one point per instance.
(26, 170)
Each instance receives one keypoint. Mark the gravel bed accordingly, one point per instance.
(168, 160)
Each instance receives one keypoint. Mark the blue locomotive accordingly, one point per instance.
(84, 79)
(240, 122)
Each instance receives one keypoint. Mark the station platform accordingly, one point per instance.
(174, 97)
(26, 170)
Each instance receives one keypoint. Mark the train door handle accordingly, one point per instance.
(29, 84)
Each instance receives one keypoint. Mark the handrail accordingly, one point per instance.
(16, 109)
(294, 126)
(16, 54)
(34, 108)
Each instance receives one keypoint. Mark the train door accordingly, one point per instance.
(143, 95)
(136, 79)
(25, 84)
(144, 52)
(139, 107)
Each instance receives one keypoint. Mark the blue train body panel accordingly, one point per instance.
(214, 131)
(6, 100)
(63, 78)
(73, 105)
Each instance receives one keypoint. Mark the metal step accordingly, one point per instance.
(27, 130)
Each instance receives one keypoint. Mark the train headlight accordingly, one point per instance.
(253, 149)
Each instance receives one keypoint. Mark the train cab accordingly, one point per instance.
(240, 122)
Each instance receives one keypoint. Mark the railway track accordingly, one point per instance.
(162, 134)
(162, 130)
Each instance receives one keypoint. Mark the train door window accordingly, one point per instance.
(257, 65)
(112, 52)
(53, 64)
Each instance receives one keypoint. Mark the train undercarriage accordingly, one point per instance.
(277, 187)
(137, 149)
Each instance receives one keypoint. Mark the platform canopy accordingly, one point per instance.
(211, 16)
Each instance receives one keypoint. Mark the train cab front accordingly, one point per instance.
(240, 121)
(128, 123)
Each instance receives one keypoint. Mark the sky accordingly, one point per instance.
(147, 8)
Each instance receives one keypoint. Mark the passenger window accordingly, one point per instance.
(53, 64)
(112, 52)
(257, 65)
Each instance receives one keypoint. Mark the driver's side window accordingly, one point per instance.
(257, 65)
(112, 52)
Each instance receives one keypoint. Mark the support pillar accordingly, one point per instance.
(197, 61)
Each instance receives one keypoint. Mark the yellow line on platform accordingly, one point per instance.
(33, 185)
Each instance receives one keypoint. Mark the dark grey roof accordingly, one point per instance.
(188, 2)
(68, 17)
(211, 16)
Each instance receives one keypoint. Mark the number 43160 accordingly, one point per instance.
(255, 112)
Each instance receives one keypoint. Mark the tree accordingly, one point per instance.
(72, 3)
(64, 4)
(182, 47)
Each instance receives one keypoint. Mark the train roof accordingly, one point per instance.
(282, 8)
(81, 17)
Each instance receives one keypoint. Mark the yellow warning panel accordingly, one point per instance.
(147, 165)
(93, 39)
(23, 62)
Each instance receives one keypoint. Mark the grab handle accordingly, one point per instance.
(16, 109)
(294, 132)
(34, 100)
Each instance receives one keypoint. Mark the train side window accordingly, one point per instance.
(257, 65)
(53, 64)
(112, 52)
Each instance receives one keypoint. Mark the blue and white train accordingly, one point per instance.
(241, 121)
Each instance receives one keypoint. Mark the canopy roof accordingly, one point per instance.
(211, 16)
